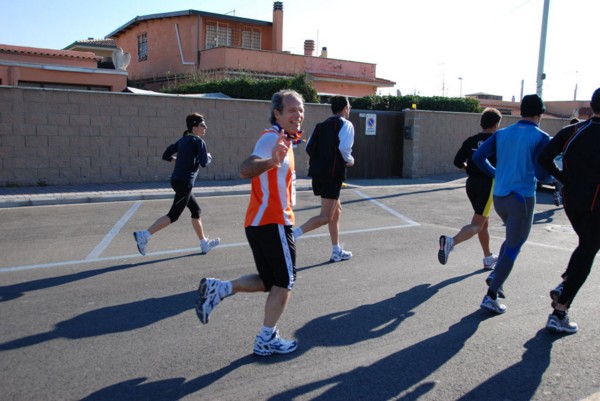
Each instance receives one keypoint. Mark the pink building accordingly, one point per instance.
(168, 47)
(61, 69)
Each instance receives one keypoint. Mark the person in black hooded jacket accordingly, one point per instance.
(579, 145)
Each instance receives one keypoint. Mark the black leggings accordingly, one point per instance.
(183, 197)
(587, 226)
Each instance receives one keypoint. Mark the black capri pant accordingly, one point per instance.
(183, 197)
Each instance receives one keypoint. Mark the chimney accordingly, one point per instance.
(324, 52)
(309, 47)
(277, 35)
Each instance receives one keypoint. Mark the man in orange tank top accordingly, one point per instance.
(268, 225)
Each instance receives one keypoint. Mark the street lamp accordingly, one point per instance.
(460, 79)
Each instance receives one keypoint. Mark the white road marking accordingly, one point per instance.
(95, 254)
(388, 209)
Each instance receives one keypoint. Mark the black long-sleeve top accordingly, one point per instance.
(465, 156)
(191, 154)
(580, 146)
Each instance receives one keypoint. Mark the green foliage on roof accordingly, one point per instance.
(248, 87)
(434, 103)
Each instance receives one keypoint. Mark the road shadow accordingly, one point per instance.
(545, 217)
(10, 292)
(333, 330)
(520, 381)
(394, 376)
(169, 389)
(112, 319)
(366, 322)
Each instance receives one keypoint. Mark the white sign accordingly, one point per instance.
(371, 124)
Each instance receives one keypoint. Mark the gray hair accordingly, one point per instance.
(277, 101)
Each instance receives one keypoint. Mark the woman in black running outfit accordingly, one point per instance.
(479, 191)
(580, 146)
(191, 154)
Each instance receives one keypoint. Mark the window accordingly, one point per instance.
(142, 47)
(51, 85)
(217, 35)
(251, 38)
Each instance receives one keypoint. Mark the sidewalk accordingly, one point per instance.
(91, 193)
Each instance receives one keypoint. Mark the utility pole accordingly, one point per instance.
(540, 72)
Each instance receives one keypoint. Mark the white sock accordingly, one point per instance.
(297, 232)
(267, 332)
(337, 248)
(146, 234)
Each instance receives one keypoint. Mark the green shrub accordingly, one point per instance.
(248, 87)
(434, 103)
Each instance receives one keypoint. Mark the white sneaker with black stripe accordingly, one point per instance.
(208, 244)
(446, 246)
(339, 255)
(561, 325)
(141, 239)
(489, 262)
(276, 345)
(492, 305)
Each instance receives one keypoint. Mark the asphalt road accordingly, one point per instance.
(84, 316)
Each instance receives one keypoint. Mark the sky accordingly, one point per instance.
(428, 47)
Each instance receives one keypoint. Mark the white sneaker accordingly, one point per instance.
(206, 246)
(489, 262)
(561, 325)
(341, 255)
(208, 298)
(446, 246)
(492, 305)
(141, 238)
(276, 345)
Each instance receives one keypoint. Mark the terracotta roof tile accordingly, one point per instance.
(97, 42)
(47, 52)
(380, 81)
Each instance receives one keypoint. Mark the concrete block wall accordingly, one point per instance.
(59, 137)
(54, 137)
(432, 139)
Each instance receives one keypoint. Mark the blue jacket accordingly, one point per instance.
(517, 149)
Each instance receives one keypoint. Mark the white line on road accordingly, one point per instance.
(113, 232)
(388, 209)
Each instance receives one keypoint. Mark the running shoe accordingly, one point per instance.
(276, 345)
(208, 298)
(206, 246)
(561, 325)
(492, 305)
(489, 262)
(141, 239)
(446, 246)
(339, 256)
(556, 293)
(557, 198)
(489, 280)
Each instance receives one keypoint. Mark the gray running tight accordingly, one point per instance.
(516, 212)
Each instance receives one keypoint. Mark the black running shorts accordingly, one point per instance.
(479, 192)
(327, 187)
(274, 253)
